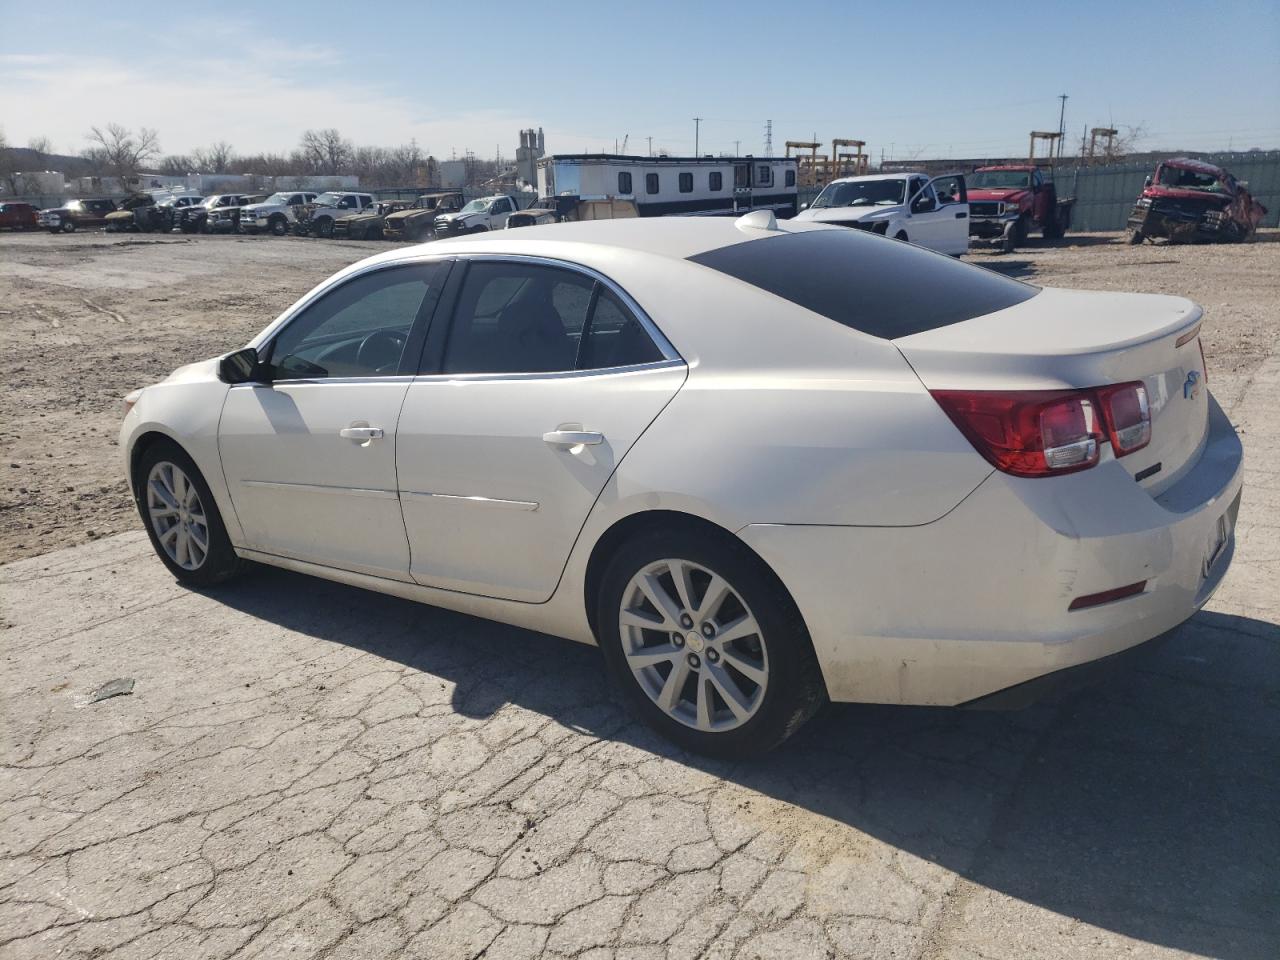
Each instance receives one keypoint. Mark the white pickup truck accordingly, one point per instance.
(277, 214)
(931, 212)
(330, 207)
(485, 213)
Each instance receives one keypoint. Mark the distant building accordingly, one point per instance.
(453, 174)
(531, 149)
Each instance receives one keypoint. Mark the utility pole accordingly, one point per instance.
(697, 127)
(737, 148)
(1062, 115)
(650, 139)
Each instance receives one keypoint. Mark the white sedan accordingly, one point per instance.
(760, 465)
(931, 212)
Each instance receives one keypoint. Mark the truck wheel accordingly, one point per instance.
(901, 235)
(68, 226)
(1053, 228)
(480, 229)
(324, 227)
(1135, 237)
(1009, 241)
(279, 226)
(1022, 228)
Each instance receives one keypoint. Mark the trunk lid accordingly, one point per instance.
(1074, 339)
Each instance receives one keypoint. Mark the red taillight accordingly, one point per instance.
(1043, 433)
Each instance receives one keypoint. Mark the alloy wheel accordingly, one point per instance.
(693, 645)
(177, 515)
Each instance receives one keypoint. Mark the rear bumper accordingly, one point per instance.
(977, 601)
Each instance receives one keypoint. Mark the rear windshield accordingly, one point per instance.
(881, 287)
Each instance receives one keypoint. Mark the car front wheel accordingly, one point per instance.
(279, 226)
(707, 644)
(68, 226)
(181, 517)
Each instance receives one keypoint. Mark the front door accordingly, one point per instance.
(952, 214)
(547, 378)
(309, 452)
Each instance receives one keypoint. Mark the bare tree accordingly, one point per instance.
(176, 165)
(324, 151)
(215, 158)
(124, 152)
(42, 148)
(8, 167)
(1127, 141)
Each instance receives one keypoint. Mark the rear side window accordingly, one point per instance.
(624, 182)
(715, 181)
(651, 183)
(686, 183)
(873, 285)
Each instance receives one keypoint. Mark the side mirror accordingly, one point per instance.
(1146, 182)
(804, 206)
(242, 366)
(923, 204)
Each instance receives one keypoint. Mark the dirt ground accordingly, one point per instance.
(86, 318)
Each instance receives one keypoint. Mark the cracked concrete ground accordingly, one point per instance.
(308, 770)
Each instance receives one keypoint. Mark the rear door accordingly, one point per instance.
(537, 388)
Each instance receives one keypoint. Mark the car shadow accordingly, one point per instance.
(1144, 804)
(1018, 269)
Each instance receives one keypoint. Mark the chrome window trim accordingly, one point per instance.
(646, 322)
(549, 374)
(473, 500)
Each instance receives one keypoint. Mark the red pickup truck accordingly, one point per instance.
(1007, 200)
(16, 215)
(1190, 200)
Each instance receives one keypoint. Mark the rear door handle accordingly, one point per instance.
(573, 438)
(961, 215)
(361, 433)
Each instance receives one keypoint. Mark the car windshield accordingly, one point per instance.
(477, 206)
(280, 198)
(999, 179)
(862, 193)
(329, 199)
(209, 202)
(1189, 179)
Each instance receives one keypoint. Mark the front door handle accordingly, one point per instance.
(364, 434)
(961, 215)
(573, 438)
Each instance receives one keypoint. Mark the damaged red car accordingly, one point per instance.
(1190, 200)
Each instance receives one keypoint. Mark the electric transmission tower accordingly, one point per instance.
(768, 138)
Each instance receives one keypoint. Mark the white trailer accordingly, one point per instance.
(674, 186)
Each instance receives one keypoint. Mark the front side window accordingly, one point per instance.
(715, 181)
(651, 183)
(624, 182)
(531, 318)
(764, 175)
(791, 178)
(359, 329)
(686, 183)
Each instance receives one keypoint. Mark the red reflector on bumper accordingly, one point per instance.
(1106, 596)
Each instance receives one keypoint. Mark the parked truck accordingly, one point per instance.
(277, 214)
(1190, 200)
(1007, 201)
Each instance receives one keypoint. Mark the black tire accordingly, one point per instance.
(1021, 228)
(324, 227)
(68, 226)
(1009, 240)
(55, 230)
(220, 562)
(480, 229)
(279, 226)
(1053, 228)
(1135, 237)
(794, 690)
(901, 235)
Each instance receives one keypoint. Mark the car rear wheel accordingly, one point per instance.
(181, 517)
(707, 644)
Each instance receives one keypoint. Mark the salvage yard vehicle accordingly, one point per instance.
(316, 219)
(226, 218)
(418, 222)
(17, 215)
(368, 225)
(75, 214)
(201, 217)
(760, 464)
(1007, 201)
(1190, 200)
(566, 209)
(125, 217)
(484, 213)
(277, 213)
(932, 212)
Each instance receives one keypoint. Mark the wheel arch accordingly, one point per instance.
(648, 521)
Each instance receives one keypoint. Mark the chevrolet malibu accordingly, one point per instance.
(761, 465)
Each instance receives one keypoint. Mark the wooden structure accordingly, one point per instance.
(1108, 136)
(1049, 137)
(814, 169)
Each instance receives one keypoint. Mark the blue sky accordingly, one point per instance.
(920, 80)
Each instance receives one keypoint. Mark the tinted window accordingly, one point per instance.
(624, 182)
(686, 183)
(615, 338)
(715, 181)
(791, 178)
(360, 329)
(876, 286)
(764, 175)
(651, 183)
(517, 318)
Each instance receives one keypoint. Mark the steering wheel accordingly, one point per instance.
(380, 351)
